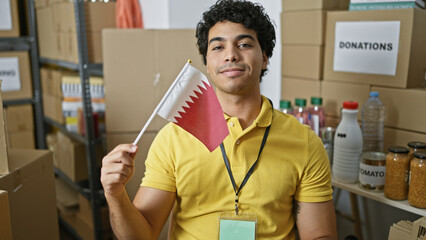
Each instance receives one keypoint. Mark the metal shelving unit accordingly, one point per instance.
(92, 188)
(29, 43)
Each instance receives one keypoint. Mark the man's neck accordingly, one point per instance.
(246, 109)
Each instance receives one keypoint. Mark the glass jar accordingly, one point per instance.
(416, 146)
(372, 169)
(397, 173)
(417, 190)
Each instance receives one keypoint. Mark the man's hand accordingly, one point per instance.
(117, 169)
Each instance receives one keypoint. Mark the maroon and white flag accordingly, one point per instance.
(192, 104)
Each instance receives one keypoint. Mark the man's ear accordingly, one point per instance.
(265, 61)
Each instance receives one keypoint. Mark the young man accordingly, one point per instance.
(289, 187)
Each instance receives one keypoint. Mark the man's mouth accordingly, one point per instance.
(232, 72)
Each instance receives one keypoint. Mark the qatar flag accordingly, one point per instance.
(191, 103)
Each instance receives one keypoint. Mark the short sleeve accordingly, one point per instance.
(315, 183)
(160, 170)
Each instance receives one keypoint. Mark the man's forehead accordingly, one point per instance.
(222, 31)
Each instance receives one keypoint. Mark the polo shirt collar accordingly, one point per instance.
(265, 116)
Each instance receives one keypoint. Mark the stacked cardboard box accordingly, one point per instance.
(9, 19)
(5, 225)
(15, 73)
(384, 51)
(20, 126)
(56, 24)
(22, 172)
(408, 230)
(303, 39)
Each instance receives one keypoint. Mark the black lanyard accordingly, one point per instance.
(225, 158)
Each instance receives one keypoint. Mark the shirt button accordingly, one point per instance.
(231, 124)
(238, 141)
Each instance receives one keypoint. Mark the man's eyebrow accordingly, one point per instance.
(239, 37)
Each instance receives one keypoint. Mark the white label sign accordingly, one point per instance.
(366, 47)
(5, 15)
(380, 1)
(9, 74)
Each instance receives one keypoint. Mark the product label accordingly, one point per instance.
(9, 74)
(374, 175)
(369, 47)
(5, 15)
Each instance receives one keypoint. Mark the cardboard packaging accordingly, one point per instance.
(66, 197)
(403, 108)
(52, 107)
(302, 61)
(19, 118)
(21, 139)
(48, 42)
(293, 88)
(9, 19)
(5, 225)
(71, 157)
(398, 137)
(84, 213)
(335, 93)
(297, 5)
(419, 229)
(138, 74)
(4, 158)
(394, 56)
(15, 73)
(30, 184)
(307, 27)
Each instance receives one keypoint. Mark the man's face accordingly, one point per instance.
(234, 58)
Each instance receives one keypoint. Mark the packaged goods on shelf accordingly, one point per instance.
(9, 19)
(382, 48)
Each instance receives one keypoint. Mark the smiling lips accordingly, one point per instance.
(232, 71)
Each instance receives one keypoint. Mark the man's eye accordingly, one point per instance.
(216, 48)
(244, 45)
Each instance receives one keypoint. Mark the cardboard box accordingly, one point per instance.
(114, 139)
(99, 15)
(31, 189)
(419, 229)
(307, 27)
(9, 19)
(4, 158)
(293, 88)
(52, 107)
(138, 74)
(397, 232)
(71, 157)
(398, 137)
(41, 3)
(21, 139)
(85, 213)
(48, 40)
(15, 73)
(82, 228)
(354, 54)
(5, 225)
(335, 93)
(331, 121)
(303, 61)
(19, 118)
(297, 5)
(403, 108)
(66, 197)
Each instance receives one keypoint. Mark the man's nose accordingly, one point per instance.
(231, 54)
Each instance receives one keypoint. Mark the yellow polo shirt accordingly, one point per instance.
(293, 165)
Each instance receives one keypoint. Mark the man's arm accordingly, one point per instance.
(315, 220)
(142, 219)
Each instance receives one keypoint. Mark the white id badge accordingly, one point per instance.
(237, 227)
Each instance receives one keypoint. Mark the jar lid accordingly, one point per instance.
(420, 154)
(374, 156)
(417, 145)
(350, 105)
(398, 149)
(316, 100)
(300, 102)
(285, 104)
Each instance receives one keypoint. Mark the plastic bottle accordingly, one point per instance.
(347, 145)
(300, 111)
(316, 112)
(285, 107)
(373, 117)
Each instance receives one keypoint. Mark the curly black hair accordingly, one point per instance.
(251, 15)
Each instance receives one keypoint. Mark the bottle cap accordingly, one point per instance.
(316, 100)
(285, 104)
(374, 94)
(398, 149)
(300, 102)
(420, 145)
(350, 105)
(420, 154)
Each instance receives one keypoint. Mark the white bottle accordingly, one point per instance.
(372, 122)
(347, 145)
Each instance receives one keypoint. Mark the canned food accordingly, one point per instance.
(372, 170)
